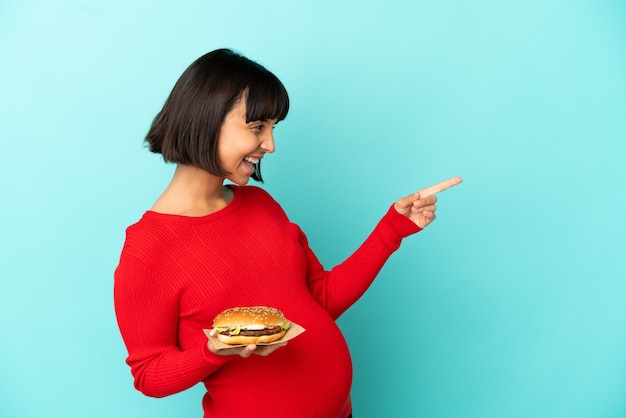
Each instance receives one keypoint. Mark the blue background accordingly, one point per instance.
(512, 304)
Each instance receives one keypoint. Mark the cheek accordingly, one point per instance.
(226, 146)
(243, 143)
(232, 150)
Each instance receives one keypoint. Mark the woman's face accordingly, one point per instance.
(241, 145)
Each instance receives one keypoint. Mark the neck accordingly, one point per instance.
(193, 192)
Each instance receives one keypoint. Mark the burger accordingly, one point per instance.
(250, 325)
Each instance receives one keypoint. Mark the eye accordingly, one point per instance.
(262, 125)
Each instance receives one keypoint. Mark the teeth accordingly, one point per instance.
(252, 160)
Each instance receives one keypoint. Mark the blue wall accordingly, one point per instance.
(510, 305)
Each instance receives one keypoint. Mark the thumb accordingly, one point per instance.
(407, 201)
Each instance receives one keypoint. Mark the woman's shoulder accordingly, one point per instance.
(146, 237)
(258, 197)
(252, 190)
(255, 192)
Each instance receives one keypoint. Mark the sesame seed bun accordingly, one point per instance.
(250, 325)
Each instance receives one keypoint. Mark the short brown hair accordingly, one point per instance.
(185, 131)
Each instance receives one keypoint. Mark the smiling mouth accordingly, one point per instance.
(253, 163)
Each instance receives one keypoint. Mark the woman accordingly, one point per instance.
(205, 246)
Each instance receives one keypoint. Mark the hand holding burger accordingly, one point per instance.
(250, 326)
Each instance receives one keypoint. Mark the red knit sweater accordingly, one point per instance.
(176, 273)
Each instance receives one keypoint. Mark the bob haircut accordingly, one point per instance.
(186, 129)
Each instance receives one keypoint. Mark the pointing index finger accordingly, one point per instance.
(440, 187)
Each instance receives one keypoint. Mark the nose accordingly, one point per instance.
(267, 142)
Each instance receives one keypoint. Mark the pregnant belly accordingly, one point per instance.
(310, 377)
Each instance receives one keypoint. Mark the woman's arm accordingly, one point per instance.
(339, 288)
(148, 319)
(342, 286)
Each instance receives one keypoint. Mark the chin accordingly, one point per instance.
(239, 181)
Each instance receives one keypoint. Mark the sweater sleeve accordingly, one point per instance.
(338, 289)
(148, 320)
